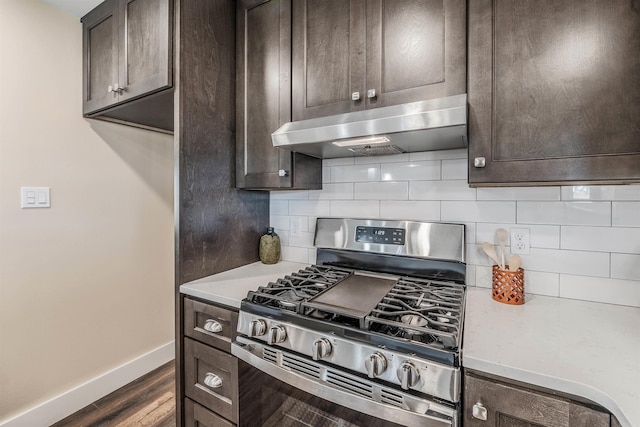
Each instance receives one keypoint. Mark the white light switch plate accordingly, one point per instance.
(35, 197)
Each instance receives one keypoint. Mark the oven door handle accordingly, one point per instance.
(251, 353)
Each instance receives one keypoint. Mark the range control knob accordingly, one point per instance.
(376, 364)
(277, 334)
(408, 375)
(321, 349)
(257, 328)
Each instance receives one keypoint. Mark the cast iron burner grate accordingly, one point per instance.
(424, 311)
(290, 291)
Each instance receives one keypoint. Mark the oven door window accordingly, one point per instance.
(268, 402)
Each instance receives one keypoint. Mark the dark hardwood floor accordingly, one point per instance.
(148, 401)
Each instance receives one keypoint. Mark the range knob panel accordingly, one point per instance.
(257, 328)
(277, 334)
(375, 364)
(408, 375)
(321, 349)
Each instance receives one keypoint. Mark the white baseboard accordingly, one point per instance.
(77, 398)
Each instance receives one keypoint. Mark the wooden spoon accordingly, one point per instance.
(514, 262)
(502, 236)
(490, 251)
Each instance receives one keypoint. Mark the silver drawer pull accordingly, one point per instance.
(479, 412)
(355, 96)
(212, 326)
(371, 93)
(212, 380)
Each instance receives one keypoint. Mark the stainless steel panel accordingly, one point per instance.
(423, 239)
(435, 379)
(345, 389)
(435, 124)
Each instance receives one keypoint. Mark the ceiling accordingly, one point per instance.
(77, 8)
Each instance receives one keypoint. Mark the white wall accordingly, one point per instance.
(585, 240)
(87, 285)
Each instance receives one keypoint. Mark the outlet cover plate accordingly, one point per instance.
(520, 241)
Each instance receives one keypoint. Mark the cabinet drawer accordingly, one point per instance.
(203, 367)
(506, 404)
(210, 324)
(198, 416)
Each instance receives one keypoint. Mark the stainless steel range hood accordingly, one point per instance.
(437, 124)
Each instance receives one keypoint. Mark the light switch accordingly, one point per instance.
(35, 197)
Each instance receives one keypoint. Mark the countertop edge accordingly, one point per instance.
(552, 383)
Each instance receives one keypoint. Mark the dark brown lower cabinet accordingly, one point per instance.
(198, 416)
(210, 371)
(489, 402)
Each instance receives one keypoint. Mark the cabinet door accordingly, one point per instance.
(328, 57)
(264, 100)
(508, 405)
(199, 416)
(554, 91)
(100, 58)
(146, 55)
(416, 50)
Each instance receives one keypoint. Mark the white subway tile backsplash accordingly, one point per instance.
(460, 153)
(601, 192)
(612, 291)
(626, 214)
(337, 191)
(355, 208)
(326, 175)
(279, 207)
(583, 238)
(356, 173)
(427, 170)
(303, 240)
(381, 190)
(290, 195)
(455, 211)
(279, 222)
(417, 210)
(602, 239)
(565, 213)
(519, 193)
(455, 169)
(625, 266)
(569, 262)
(441, 190)
(310, 207)
(345, 161)
(540, 283)
(294, 254)
(396, 158)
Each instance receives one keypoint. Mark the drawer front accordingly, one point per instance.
(198, 416)
(210, 324)
(211, 378)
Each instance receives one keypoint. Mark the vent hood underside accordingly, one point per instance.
(437, 124)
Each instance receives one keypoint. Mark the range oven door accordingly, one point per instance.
(277, 388)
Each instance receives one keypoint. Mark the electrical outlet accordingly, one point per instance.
(520, 241)
(295, 225)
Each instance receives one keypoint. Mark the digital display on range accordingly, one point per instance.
(382, 236)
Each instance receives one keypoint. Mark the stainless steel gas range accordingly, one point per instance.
(368, 336)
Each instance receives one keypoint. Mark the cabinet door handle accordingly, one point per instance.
(212, 326)
(282, 172)
(355, 96)
(212, 380)
(479, 411)
(479, 162)
(115, 88)
(371, 93)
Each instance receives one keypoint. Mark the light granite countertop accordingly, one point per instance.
(580, 348)
(585, 349)
(230, 287)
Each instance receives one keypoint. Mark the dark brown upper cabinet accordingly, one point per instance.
(128, 55)
(358, 54)
(554, 92)
(264, 100)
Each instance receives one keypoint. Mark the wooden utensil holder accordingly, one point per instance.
(508, 286)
